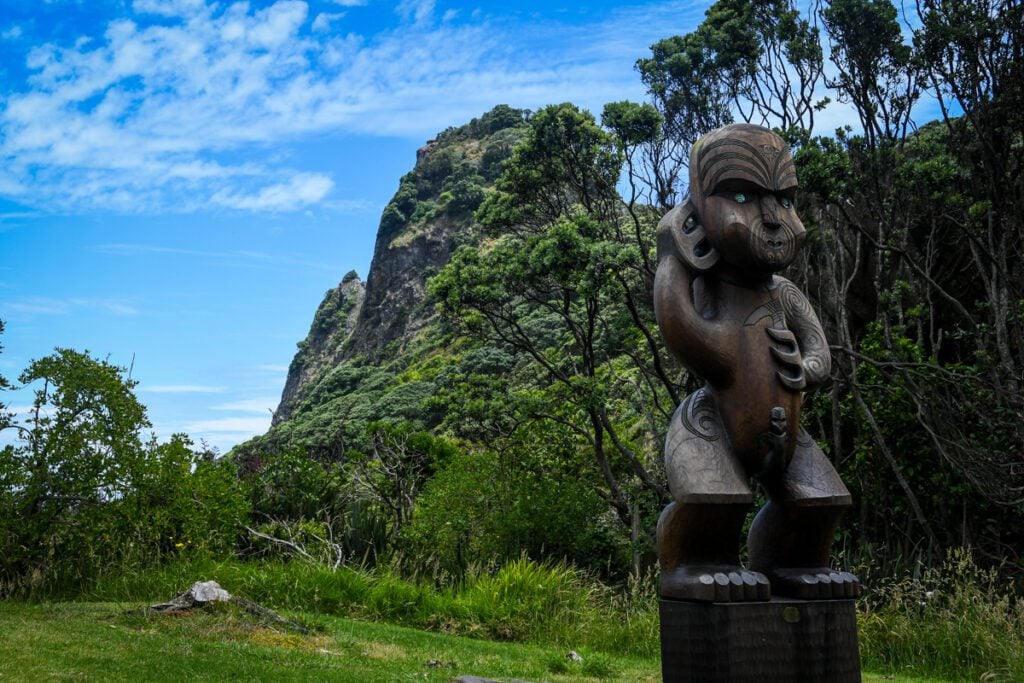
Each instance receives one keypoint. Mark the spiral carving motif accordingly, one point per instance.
(700, 416)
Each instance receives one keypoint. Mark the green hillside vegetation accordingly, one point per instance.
(493, 398)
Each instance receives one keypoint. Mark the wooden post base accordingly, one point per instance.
(796, 641)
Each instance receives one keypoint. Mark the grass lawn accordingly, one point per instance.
(106, 642)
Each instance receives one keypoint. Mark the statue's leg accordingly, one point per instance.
(790, 538)
(699, 534)
(698, 549)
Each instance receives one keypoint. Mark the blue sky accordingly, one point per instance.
(181, 180)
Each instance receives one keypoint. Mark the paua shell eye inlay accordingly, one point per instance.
(740, 198)
(786, 203)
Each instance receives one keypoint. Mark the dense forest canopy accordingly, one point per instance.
(517, 399)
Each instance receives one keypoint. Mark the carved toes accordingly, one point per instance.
(815, 584)
(714, 583)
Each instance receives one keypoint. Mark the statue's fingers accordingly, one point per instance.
(781, 336)
(788, 357)
(793, 381)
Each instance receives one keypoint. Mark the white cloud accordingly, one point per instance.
(324, 20)
(155, 113)
(180, 389)
(349, 3)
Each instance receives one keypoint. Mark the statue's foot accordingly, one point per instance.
(819, 583)
(713, 583)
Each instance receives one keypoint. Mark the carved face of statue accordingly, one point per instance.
(743, 184)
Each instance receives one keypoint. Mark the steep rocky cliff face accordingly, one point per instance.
(348, 370)
(322, 348)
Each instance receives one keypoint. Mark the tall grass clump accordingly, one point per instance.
(956, 621)
(294, 586)
(525, 601)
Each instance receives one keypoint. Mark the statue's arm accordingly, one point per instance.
(810, 337)
(702, 344)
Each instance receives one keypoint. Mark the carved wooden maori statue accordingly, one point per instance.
(753, 337)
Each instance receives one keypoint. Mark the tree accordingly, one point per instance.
(914, 244)
(5, 385)
(77, 451)
(971, 52)
(759, 60)
(877, 72)
(401, 460)
(563, 288)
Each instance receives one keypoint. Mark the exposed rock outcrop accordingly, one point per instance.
(322, 348)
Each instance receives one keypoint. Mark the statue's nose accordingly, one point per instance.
(770, 211)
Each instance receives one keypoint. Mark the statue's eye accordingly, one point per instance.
(740, 198)
(786, 203)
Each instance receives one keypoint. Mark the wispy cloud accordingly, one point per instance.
(228, 257)
(51, 306)
(180, 389)
(324, 20)
(18, 215)
(20, 410)
(38, 306)
(272, 368)
(114, 306)
(154, 114)
(260, 405)
(248, 426)
(300, 190)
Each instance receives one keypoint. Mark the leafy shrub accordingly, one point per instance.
(467, 194)
(81, 495)
(479, 509)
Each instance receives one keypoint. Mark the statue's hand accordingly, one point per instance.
(681, 234)
(787, 353)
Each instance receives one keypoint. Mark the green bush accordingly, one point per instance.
(81, 495)
(480, 508)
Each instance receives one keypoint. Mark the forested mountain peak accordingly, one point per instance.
(359, 323)
(430, 215)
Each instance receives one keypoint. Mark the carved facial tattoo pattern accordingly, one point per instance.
(752, 169)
